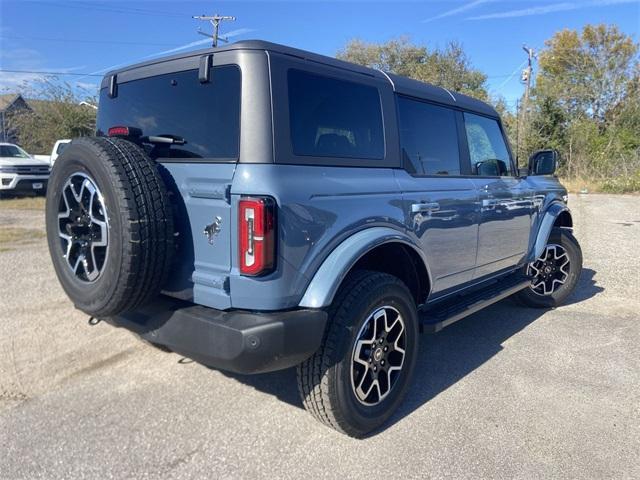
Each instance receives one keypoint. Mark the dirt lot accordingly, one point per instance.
(507, 393)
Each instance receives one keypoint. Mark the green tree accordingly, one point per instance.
(58, 111)
(589, 73)
(448, 67)
(586, 103)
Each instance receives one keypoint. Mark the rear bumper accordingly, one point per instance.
(238, 341)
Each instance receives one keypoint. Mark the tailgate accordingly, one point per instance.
(203, 260)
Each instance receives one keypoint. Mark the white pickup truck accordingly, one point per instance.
(20, 173)
(59, 146)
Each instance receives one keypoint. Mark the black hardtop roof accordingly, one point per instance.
(401, 85)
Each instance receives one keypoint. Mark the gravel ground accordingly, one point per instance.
(506, 393)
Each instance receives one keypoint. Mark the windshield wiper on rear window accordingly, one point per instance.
(164, 139)
(135, 134)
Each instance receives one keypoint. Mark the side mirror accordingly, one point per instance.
(543, 162)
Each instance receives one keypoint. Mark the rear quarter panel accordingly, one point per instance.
(318, 208)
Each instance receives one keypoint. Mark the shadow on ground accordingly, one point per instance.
(446, 357)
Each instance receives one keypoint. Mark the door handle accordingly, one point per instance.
(490, 202)
(426, 207)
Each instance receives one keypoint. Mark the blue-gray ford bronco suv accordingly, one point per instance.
(257, 207)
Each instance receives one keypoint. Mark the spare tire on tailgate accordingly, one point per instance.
(109, 225)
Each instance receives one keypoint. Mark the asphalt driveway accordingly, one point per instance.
(509, 392)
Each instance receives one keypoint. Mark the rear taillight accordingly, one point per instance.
(256, 229)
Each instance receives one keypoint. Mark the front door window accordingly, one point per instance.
(487, 148)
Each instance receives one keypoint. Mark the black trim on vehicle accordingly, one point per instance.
(154, 69)
(204, 71)
(465, 156)
(196, 160)
(239, 341)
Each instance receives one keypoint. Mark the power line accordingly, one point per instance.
(51, 73)
(109, 8)
(143, 11)
(78, 40)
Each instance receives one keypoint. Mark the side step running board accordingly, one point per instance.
(434, 319)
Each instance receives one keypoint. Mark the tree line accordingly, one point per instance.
(585, 102)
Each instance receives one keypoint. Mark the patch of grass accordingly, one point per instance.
(577, 185)
(23, 203)
(13, 237)
(630, 184)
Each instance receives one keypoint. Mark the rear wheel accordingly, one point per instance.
(361, 372)
(555, 273)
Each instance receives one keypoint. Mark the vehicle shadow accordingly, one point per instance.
(586, 287)
(444, 358)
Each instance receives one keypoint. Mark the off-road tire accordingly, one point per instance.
(140, 225)
(564, 238)
(324, 380)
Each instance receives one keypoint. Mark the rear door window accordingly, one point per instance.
(428, 138)
(330, 117)
(205, 115)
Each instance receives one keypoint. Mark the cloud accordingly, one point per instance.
(88, 87)
(457, 10)
(20, 58)
(10, 82)
(28, 59)
(552, 8)
(231, 34)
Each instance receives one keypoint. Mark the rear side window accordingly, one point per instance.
(428, 138)
(487, 148)
(329, 117)
(205, 115)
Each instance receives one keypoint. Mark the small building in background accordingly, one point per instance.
(11, 104)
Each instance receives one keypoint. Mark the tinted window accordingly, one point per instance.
(488, 151)
(334, 118)
(429, 138)
(205, 115)
(61, 147)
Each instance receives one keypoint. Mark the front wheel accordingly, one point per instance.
(360, 373)
(555, 273)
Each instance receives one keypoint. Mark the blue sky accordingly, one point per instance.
(89, 36)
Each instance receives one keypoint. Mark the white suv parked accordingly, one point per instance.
(21, 173)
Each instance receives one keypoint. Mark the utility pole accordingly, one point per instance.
(525, 78)
(215, 21)
(527, 72)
